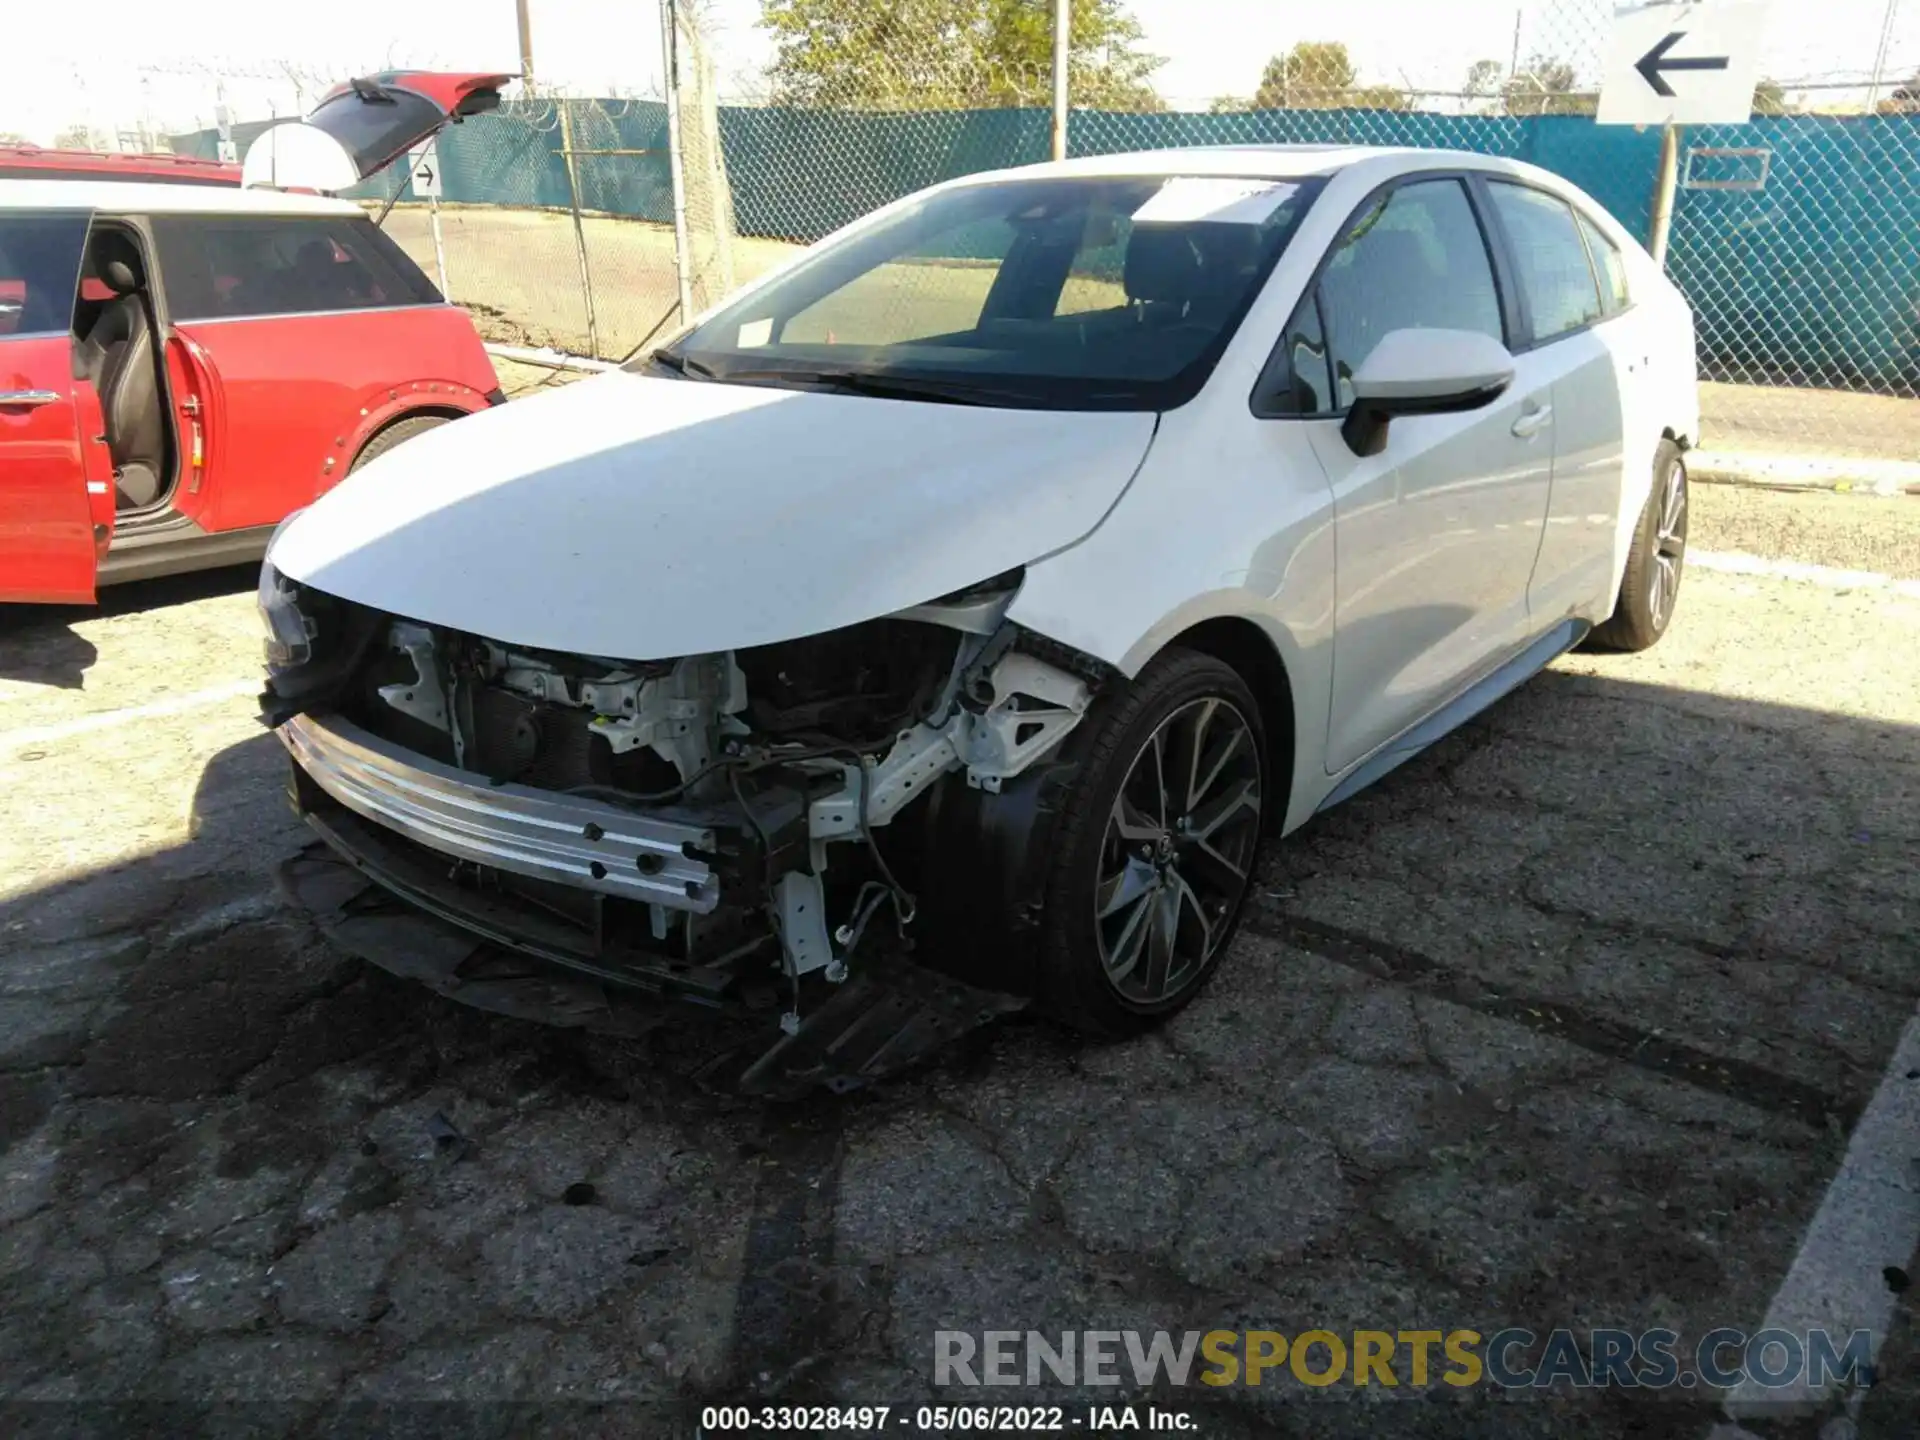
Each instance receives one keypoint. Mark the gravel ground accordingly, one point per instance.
(519, 272)
(1781, 420)
(1848, 532)
(1565, 1023)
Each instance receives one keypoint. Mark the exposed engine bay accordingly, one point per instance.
(753, 825)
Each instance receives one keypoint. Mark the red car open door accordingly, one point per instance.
(51, 530)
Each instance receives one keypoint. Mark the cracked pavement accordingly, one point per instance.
(1565, 1023)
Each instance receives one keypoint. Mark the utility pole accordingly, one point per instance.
(676, 156)
(1062, 51)
(1664, 186)
(1880, 56)
(526, 45)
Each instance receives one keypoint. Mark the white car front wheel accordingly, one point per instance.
(1156, 851)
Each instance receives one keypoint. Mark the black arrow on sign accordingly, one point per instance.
(1651, 64)
(424, 174)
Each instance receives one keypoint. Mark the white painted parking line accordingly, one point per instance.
(1738, 562)
(16, 740)
(1869, 1220)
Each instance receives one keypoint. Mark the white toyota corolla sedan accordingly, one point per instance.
(980, 587)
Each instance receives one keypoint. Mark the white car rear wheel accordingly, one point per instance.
(1650, 589)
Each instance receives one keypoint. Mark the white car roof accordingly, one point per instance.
(1278, 162)
(131, 197)
(1291, 162)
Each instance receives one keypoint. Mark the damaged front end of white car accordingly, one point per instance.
(711, 676)
(833, 830)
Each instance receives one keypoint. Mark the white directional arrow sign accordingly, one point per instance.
(1694, 62)
(426, 172)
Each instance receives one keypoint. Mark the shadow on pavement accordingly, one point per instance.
(1562, 1023)
(42, 647)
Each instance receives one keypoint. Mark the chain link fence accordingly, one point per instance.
(587, 224)
(556, 222)
(1796, 236)
(555, 219)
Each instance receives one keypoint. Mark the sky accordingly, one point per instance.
(141, 64)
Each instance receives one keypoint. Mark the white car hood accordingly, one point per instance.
(637, 518)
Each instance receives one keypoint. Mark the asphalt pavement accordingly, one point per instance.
(1567, 1023)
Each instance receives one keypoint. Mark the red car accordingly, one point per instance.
(182, 365)
(33, 162)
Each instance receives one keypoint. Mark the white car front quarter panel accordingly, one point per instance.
(649, 518)
(1669, 396)
(1229, 518)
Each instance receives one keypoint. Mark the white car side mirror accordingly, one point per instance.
(1423, 372)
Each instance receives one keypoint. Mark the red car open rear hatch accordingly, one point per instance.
(363, 126)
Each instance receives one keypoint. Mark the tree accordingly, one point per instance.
(946, 54)
(1229, 104)
(1482, 84)
(1769, 98)
(1104, 69)
(1905, 100)
(1308, 77)
(1379, 97)
(1547, 86)
(1321, 75)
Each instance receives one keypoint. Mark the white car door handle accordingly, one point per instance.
(1532, 422)
(22, 398)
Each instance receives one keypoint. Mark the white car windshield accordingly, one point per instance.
(1084, 292)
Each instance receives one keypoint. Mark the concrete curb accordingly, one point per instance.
(1805, 472)
(551, 359)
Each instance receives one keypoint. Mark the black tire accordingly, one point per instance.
(1074, 982)
(1650, 588)
(397, 433)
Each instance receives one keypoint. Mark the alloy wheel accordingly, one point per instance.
(1177, 852)
(1670, 546)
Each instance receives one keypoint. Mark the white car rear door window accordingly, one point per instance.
(1556, 279)
(1611, 265)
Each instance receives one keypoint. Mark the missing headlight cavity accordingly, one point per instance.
(751, 824)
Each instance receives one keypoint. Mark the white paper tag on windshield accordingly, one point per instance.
(1223, 200)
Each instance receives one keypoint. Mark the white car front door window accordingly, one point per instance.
(1436, 535)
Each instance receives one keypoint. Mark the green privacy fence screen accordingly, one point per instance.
(1812, 277)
